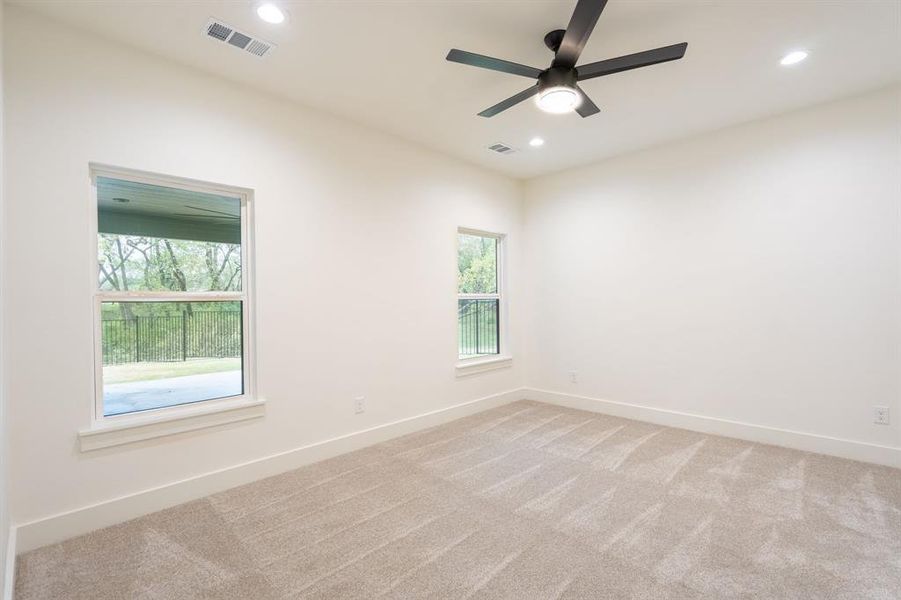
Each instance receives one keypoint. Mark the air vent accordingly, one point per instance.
(239, 40)
(257, 47)
(501, 148)
(218, 31)
(221, 32)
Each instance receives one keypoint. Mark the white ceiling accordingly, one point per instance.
(381, 63)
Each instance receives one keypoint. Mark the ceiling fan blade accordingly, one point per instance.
(495, 64)
(632, 61)
(511, 101)
(587, 107)
(578, 31)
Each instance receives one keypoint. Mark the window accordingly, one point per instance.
(171, 302)
(480, 307)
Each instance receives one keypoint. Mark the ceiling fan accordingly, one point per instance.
(557, 87)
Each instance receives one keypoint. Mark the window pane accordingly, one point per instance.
(155, 238)
(477, 264)
(158, 354)
(478, 326)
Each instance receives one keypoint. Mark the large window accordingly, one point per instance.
(479, 294)
(172, 307)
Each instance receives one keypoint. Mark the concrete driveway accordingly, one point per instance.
(120, 398)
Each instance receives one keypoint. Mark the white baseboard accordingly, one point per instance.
(34, 534)
(810, 442)
(9, 565)
(63, 526)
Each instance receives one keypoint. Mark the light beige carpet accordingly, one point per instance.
(524, 501)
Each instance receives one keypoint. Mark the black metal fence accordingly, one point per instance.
(479, 327)
(198, 334)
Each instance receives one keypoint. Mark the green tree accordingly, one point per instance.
(477, 265)
(132, 263)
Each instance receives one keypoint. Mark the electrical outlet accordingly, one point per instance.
(880, 415)
(574, 377)
(359, 404)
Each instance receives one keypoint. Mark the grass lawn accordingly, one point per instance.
(145, 371)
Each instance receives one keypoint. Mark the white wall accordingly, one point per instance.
(751, 274)
(356, 262)
(4, 513)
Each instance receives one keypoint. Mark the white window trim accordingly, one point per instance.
(503, 359)
(481, 364)
(106, 431)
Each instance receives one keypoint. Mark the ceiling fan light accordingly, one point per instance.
(559, 100)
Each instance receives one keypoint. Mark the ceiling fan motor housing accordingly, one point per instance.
(556, 77)
(553, 39)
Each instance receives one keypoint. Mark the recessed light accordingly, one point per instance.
(270, 13)
(536, 142)
(793, 58)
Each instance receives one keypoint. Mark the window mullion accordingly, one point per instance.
(118, 296)
(479, 296)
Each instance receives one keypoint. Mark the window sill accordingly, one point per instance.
(144, 427)
(473, 366)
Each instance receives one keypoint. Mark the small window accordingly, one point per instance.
(479, 294)
(171, 302)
